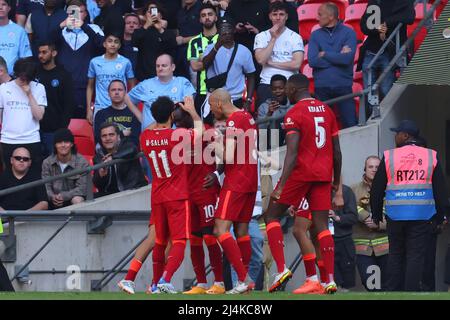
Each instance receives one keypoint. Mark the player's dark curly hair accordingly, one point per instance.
(162, 108)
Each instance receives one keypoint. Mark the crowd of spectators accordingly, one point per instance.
(77, 59)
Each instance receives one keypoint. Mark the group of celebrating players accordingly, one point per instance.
(188, 202)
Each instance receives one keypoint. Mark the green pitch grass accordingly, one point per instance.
(252, 296)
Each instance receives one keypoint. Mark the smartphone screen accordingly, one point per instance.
(154, 11)
(73, 12)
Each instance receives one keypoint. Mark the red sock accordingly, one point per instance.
(198, 258)
(158, 258)
(310, 264)
(245, 247)
(233, 254)
(135, 266)
(215, 257)
(323, 272)
(326, 244)
(175, 258)
(276, 244)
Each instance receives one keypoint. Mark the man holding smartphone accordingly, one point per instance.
(152, 40)
(44, 22)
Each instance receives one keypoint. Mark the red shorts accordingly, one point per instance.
(203, 208)
(303, 210)
(318, 194)
(171, 220)
(235, 206)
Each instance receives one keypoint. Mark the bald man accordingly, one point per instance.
(31, 199)
(164, 84)
(238, 194)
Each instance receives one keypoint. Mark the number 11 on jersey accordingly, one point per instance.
(165, 163)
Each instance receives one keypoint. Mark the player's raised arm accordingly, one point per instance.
(189, 107)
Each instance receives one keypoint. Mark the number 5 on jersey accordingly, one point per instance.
(320, 132)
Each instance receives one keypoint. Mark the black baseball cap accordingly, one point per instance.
(407, 126)
(63, 134)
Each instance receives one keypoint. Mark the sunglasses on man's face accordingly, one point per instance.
(19, 158)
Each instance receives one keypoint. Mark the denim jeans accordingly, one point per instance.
(381, 64)
(347, 111)
(256, 260)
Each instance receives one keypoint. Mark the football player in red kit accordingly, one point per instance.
(238, 194)
(203, 202)
(312, 166)
(170, 189)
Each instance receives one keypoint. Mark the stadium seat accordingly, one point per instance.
(353, 16)
(420, 15)
(308, 72)
(85, 146)
(341, 4)
(307, 18)
(84, 136)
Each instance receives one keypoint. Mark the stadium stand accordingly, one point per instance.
(341, 4)
(353, 15)
(84, 137)
(307, 19)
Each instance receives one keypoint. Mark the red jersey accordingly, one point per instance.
(317, 126)
(242, 174)
(170, 176)
(198, 172)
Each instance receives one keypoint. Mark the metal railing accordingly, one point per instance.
(409, 41)
(83, 171)
(70, 215)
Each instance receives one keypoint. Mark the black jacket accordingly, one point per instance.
(151, 44)
(129, 174)
(60, 98)
(256, 12)
(110, 20)
(393, 12)
(378, 192)
(348, 215)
